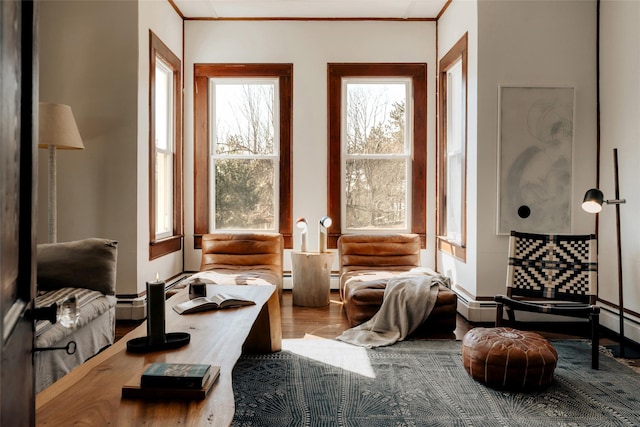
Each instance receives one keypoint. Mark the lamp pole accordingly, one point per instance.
(620, 288)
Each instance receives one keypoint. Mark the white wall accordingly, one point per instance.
(462, 17)
(159, 17)
(527, 43)
(88, 61)
(309, 46)
(94, 56)
(620, 128)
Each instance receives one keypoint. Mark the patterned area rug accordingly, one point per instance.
(315, 382)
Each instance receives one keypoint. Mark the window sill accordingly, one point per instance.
(163, 247)
(454, 249)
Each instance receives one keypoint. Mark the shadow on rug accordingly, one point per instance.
(422, 383)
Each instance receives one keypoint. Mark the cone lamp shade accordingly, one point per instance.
(57, 130)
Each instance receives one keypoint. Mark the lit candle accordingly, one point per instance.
(155, 311)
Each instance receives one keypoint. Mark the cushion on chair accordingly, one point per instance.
(508, 358)
(89, 263)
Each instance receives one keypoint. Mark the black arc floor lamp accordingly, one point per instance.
(593, 200)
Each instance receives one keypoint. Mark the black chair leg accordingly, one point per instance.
(499, 311)
(595, 342)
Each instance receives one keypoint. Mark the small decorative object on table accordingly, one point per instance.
(156, 338)
(197, 288)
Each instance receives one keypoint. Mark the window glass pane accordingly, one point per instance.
(376, 193)
(454, 151)
(244, 194)
(163, 105)
(164, 136)
(164, 196)
(244, 158)
(376, 117)
(244, 117)
(377, 154)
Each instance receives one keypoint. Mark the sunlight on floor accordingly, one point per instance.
(331, 352)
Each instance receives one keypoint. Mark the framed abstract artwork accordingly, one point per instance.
(535, 157)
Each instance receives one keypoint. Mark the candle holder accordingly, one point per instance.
(157, 338)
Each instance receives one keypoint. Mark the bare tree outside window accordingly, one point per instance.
(377, 154)
(244, 154)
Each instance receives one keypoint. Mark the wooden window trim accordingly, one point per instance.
(202, 74)
(418, 74)
(455, 249)
(173, 243)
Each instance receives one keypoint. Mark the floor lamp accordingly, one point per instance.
(593, 200)
(57, 130)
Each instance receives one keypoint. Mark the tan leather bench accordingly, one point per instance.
(367, 262)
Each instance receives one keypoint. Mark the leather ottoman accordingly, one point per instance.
(507, 358)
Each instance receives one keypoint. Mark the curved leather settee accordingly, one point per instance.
(245, 258)
(367, 262)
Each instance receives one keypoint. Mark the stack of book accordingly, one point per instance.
(172, 381)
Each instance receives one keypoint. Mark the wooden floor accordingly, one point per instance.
(330, 321)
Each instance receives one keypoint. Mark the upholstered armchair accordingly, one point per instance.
(367, 262)
(244, 258)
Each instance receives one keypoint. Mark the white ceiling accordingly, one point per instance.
(405, 9)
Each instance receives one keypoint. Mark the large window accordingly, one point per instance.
(243, 148)
(377, 148)
(165, 150)
(244, 158)
(453, 142)
(376, 161)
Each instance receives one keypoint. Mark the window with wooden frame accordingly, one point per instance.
(243, 116)
(452, 162)
(165, 150)
(377, 148)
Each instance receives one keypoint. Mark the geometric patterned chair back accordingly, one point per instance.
(553, 267)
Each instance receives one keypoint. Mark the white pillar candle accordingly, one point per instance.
(155, 312)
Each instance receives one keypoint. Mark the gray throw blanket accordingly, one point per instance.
(408, 301)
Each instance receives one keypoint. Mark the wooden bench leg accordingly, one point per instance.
(266, 334)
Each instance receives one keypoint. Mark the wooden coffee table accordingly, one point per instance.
(91, 393)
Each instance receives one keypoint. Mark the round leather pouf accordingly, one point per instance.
(507, 358)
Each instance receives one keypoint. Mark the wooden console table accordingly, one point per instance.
(91, 393)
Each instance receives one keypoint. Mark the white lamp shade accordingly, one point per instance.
(591, 207)
(57, 128)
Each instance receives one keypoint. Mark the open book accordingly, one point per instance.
(213, 302)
